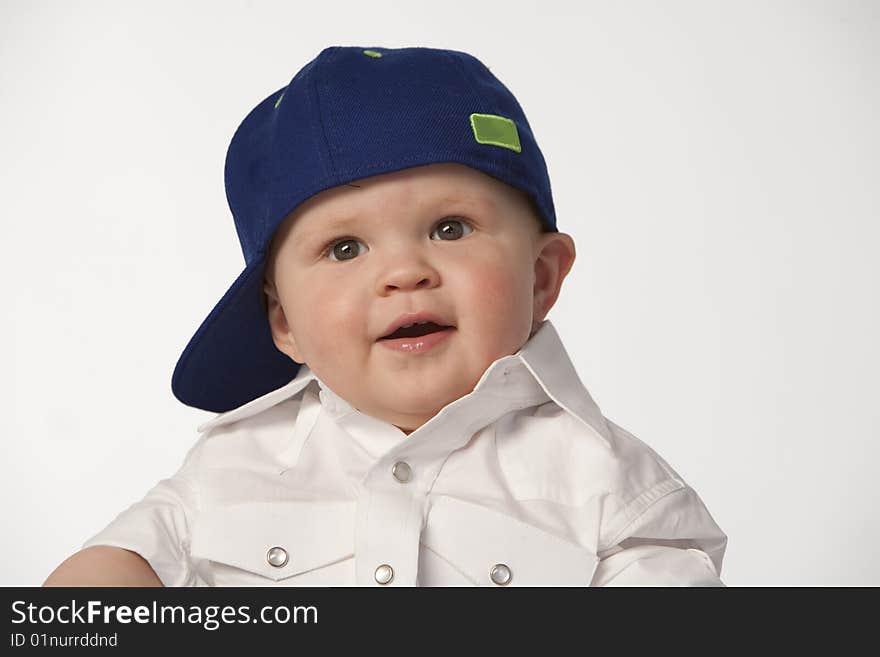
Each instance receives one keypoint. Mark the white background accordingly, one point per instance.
(716, 164)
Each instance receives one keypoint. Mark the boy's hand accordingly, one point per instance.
(103, 565)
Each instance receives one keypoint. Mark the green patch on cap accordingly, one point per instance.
(495, 130)
(278, 102)
(372, 53)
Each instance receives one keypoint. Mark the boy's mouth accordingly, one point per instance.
(413, 325)
(415, 330)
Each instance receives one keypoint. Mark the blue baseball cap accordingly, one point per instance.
(350, 113)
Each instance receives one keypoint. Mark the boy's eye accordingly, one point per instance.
(347, 249)
(342, 249)
(452, 229)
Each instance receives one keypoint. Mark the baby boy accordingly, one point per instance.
(394, 407)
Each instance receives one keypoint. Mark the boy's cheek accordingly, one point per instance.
(498, 288)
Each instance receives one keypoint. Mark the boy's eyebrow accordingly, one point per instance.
(339, 223)
(331, 225)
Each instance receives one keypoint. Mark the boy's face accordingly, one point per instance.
(443, 238)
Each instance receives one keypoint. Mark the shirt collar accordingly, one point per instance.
(543, 355)
(546, 358)
(304, 376)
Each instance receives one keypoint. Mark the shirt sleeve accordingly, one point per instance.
(656, 565)
(158, 526)
(672, 541)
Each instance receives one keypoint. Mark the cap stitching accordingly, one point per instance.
(317, 103)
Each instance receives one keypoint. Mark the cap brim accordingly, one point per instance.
(232, 359)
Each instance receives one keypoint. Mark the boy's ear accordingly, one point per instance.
(555, 256)
(281, 333)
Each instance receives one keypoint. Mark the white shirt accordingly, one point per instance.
(521, 482)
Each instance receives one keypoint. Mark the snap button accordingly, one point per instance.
(384, 574)
(276, 556)
(500, 574)
(401, 471)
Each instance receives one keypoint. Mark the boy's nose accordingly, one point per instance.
(410, 274)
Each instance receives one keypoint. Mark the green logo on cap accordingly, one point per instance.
(495, 130)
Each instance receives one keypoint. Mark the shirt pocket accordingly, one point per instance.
(284, 543)
(490, 548)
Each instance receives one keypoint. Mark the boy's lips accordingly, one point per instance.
(419, 344)
(414, 318)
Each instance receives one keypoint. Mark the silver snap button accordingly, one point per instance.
(384, 574)
(500, 574)
(276, 556)
(401, 471)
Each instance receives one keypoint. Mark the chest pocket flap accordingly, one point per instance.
(495, 549)
(275, 539)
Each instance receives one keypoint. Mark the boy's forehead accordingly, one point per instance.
(413, 187)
